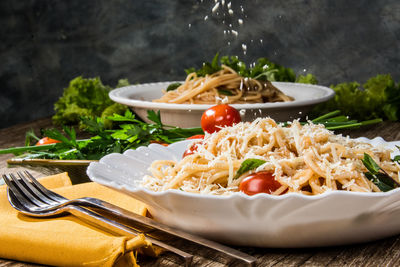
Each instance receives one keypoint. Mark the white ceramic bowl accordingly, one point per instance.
(291, 220)
(139, 98)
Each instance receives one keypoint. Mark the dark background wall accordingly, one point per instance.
(46, 43)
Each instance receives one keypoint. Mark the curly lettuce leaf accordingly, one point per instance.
(122, 83)
(309, 78)
(384, 95)
(379, 97)
(84, 97)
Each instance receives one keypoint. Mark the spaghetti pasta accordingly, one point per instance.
(225, 86)
(307, 159)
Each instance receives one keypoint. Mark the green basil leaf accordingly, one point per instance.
(370, 164)
(248, 165)
(378, 182)
(385, 178)
(173, 86)
(377, 175)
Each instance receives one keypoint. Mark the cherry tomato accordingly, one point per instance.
(191, 149)
(197, 136)
(47, 141)
(259, 182)
(216, 117)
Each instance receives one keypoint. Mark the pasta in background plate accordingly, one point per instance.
(224, 86)
(306, 159)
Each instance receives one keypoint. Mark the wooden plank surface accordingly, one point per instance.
(384, 252)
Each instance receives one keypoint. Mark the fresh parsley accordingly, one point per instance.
(130, 134)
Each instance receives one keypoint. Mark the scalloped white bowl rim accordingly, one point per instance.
(217, 217)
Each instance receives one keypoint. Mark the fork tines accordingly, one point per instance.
(24, 189)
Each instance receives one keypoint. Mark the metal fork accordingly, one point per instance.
(48, 201)
(31, 201)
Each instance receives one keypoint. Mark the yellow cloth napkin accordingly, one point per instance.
(67, 241)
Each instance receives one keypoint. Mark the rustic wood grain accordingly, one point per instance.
(384, 252)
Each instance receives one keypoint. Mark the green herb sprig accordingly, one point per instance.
(378, 175)
(334, 121)
(130, 134)
(263, 69)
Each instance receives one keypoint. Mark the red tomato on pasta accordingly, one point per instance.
(216, 117)
(47, 141)
(259, 182)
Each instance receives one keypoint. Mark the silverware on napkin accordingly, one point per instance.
(29, 197)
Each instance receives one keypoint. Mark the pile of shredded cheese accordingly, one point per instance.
(306, 159)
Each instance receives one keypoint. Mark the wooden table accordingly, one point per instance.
(384, 252)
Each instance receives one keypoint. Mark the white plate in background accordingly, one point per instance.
(139, 98)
